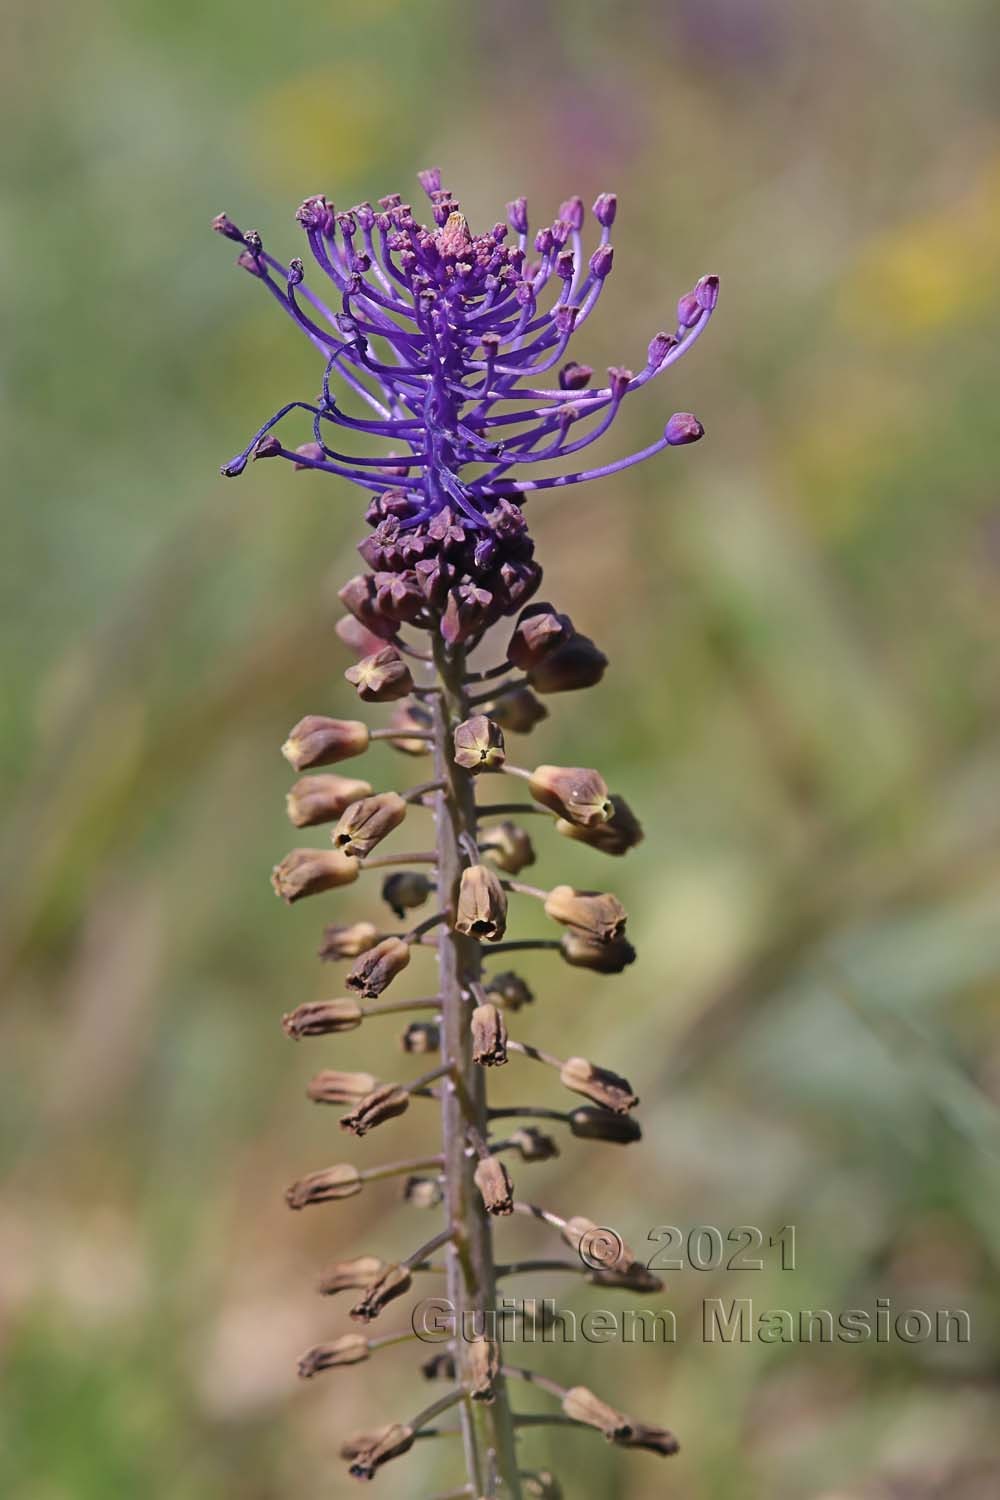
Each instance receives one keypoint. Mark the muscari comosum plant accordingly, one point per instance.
(444, 341)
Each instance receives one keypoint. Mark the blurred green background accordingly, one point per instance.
(802, 616)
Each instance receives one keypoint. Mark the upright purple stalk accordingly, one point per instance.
(443, 340)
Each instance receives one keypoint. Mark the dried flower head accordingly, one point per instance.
(323, 1018)
(495, 1186)
(327, 1186)
(376, 969)
(489, 1036)
(335, 1087)
(390, 1283)
(350, 1349)
(365, 824)
(350, 1275)
(369, 1452)
(347, 941)
(385, 1102)
(482, 905)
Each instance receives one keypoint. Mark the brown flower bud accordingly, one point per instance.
(422, 1192)
(508, 990)
(597, 915)
(575, 663)
(327, 1186)
(517, 712)
(350, 1349)
(340, 941)
(587, 953)
(358, 595)
(618, 835)
(653, 1439)
(533, 1144)
(307, 872)
(320, 799)
(383, 1103)
(508, 846)
(369, 1452)
(322, 1018)
(479, 744)
(365, 824)
(542, 1485)
(381, 678)
(482, 1365)
(317, 741)
(421, 1036)
(482, 905)
(376, 969)
(539, 630)
(405, 890)
(602, 1125)
(583, 1406)
(495, 1186)
(489, 1036)
(439, 1367)
(357, 637)
(393, 1282)
(600, 1084)
(407, 717)
(574, 792)
(350, 1275)
(333, 1087)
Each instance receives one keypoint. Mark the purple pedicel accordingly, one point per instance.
(442, 334)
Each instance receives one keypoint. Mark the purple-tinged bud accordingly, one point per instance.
(598, 915)
(683, 428)
(296, 271)
(482, 1368)
(312, 453)
(268, 447)
(574, 792)
(593, 1124)
(533, 1144)
(398, 597)
(517, 215)
(422, 1192)
(223, 224)
(421, 1037)
(560, 232)
(356, 637)
(495, 1187)
(383, 1103)
(365, 215)
(350, 1275)
(689, 310)
(576, 663)
(347, 941)
(364, 824)
(608, 1089)
(482, 905)
(660, 346)
(485, 554)
(395, 1281)
(406, 718)
(564, 316)
(508, 990)
(358, 596)
(318, 741)
(572, 212)
(465, 612)
(519, 711)
(430, 180)
(520, 582)
(405, 890)
(349, 1349)
(543, 241)
(573, 377)
(434, 580)
(335, 1087)
(479, 744)
(587, 953)
(618, 379)
(307, 872)
(376, 969)
(583, 1406)
(706, 292)
(566, 266)
(618, 835)
(322, 1018)
(539, 630)
(369, 1452)
(320, 799)
(605, 209)
(489, 1036)
(327, 1186)
(508, 846)
(382, 678)
(601, 261)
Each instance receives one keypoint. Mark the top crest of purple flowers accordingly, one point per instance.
(448, 339)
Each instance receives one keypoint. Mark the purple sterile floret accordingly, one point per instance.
(446, 337)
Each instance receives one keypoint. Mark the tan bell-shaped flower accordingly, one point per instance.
(323, 1018)
(599, 1084)
(326, 1186)
(482, 905)
(365, 824)
(350, 1275)
(318, 741)
(381, 678)
(584, 952)
(376, 969)
(320, 799)
(494, 1184)
(479, 744)
(385, 1102)
(369, 1451)
(350, 1349)
(410, 719)
(335, 1087)
(347, 941)
(583, 1406)
(508, 846)
(395, 1281)
(597, 915)
(618, 835)
(489, 1036)
(307, 872)
(574, 792)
